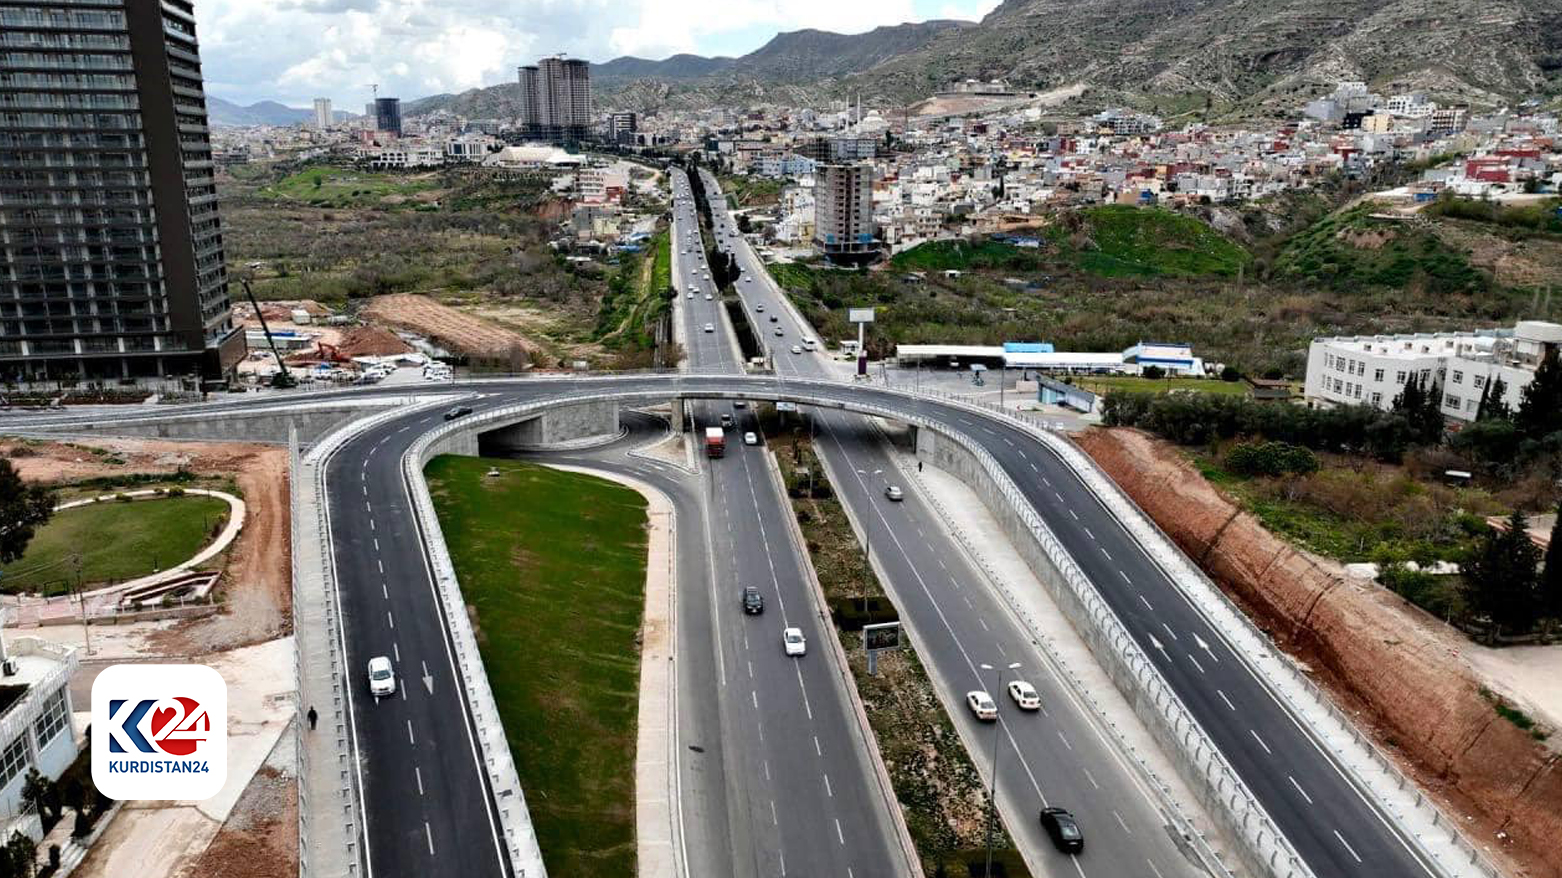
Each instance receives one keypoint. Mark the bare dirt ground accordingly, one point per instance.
(257, 581)
(260, 837)
(444, 325)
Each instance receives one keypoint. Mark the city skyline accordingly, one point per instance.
(292, 55)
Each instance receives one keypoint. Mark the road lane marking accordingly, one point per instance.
(1225, 699)
(411, 738)
(1261, 742)
(1153, 869)
(1125, 577)
(1196, 663)
(1352, 850)
(817, 751)
(1121, 823)
(391, 619)
(773, 820)
(827, 791)
(767, 769)
(751, 670)
(983, 623)
(1091, 778)
(376, 544)
(755, 696)
(838, 835)
(396, 648)
(1059, 496)
(1065, 741)
(1299, 789)
(1106, 553)
(1091, 535)
(381, 565)
(429, 834)
(1170, 632)
(383, 592)
(1147, 603)
(417, 773)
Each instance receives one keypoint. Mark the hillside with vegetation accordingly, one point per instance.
(1247, 286)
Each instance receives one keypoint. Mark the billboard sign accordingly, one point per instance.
(859, 315)
(879, 638)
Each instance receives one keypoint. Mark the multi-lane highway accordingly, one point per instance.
(802, 800)
(429, 808)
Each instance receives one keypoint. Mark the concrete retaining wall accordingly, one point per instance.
(267, 426)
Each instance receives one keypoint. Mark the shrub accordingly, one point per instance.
(1230, 373)
(1153, 372)
(1270, 459)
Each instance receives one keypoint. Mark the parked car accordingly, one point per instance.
(382, 677)
(1024, 695)
(982, 705)
(894, 493)
(792, 639)
(753, 601)
(750, 439)
(457, 412)
(1063, 829)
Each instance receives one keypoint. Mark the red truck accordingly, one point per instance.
(715, 442)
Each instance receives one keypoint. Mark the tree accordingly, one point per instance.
(1420, 403)
(1540, 405)
(40, 792)
(1493, 407)
(23, 508)
(1500, 578)
(1550, 588)
(22, 852)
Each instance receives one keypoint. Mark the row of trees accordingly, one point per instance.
(1506, 582)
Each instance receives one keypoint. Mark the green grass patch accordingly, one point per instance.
(331, 186)
(553, 563)
(1350, 250)
(115, 541)
(965, 255)
(1125, 241)
(1134, 384)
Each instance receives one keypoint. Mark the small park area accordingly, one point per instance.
(553, 565)
(114, 541)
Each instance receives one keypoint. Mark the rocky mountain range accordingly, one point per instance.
(227, 113)
(1169, 55)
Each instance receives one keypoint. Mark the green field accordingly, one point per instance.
(553, 566)
(964, 255)
(116, 541)
(1134, 384)
(330, 186)
(1351, 250)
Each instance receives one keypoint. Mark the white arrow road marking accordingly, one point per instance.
(1205, 646)
(428, 679)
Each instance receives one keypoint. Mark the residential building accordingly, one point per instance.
(621, 128)
(844, 230)
(555, 100)
(1447, 120)
(109, 228)
(35, 728)
(387, 115)
(1372, 370)
(323, 118)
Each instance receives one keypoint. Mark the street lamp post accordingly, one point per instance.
(992, 787)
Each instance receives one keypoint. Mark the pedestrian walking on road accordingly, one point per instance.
(919, 466)
(313, 717)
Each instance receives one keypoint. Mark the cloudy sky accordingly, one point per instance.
(295, 50)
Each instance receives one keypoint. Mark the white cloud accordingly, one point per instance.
(293, 50)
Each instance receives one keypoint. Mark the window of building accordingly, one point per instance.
(1399, 377)
(1451, 401)
(1377, 399)
(1458, 377)
(1377, 376)
(1479, 381)
(14, 760)
(53, 720)
(1356, 392)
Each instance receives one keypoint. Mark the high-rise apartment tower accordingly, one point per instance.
(111, 257)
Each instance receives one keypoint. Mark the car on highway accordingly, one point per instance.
(797, 349)
(894, 493)
(760, 307)
(708, 297)
(780, 331)
(726, 421)
(1063, 829)
(382, 677)
(1024, 695)
(982, 705)
(740, 403)
(774, 319)
(691, 295)
(792, 639)
(753, 601)
(457, 412)
(750, 439)
(748, 279)
(710, 327)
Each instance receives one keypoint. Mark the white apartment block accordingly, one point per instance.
(1372, 369)
(35, 727)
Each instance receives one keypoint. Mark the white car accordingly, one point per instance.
(710, 327)
(982, 706)
(708, 297)
(780, 331)
(690, 295)
(382, 677)
(760, 307)
(792, 639)
(750, 439)
(796, 349)
(1024, 695)
(894, 493)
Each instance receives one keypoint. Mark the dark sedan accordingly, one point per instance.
(1065, 833)
(753, 602)
(457, 412)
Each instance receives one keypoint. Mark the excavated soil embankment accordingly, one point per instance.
(1405, 685)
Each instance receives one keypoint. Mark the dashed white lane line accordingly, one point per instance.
(817, 750)
(1153, 869)
(839, 836)
(767, 769)
(1225, 699)
(1065, 741)
(411, 738)
(1090, 777)
(1196, 663)
(1057, 495)
(1170, 632)
(429, 834)
(396, 650)
(390, 619)
(1299, 789)
(751, 670)
(1106, 553)
(983, 623)
(1121, 823)
(1148, 605)
(1089, 534)
(417, 773)
(1124, 576)
(829, 793)
(755, 697)
(773, 820)
(384, 593)
(1261, 742)
(1348, 848)
(376, 544)
(381, 565)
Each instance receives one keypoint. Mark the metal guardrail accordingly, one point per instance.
(1256, 650)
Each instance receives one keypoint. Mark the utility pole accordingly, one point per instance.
(992, 786)
(81, 601)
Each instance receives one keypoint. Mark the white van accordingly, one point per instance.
(810, 345)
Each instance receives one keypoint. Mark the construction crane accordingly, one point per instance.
(282, 379)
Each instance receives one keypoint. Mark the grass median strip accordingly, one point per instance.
(552, 567)
(939, 790)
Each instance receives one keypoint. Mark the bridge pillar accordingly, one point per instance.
(557, 426)
(677, 415)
